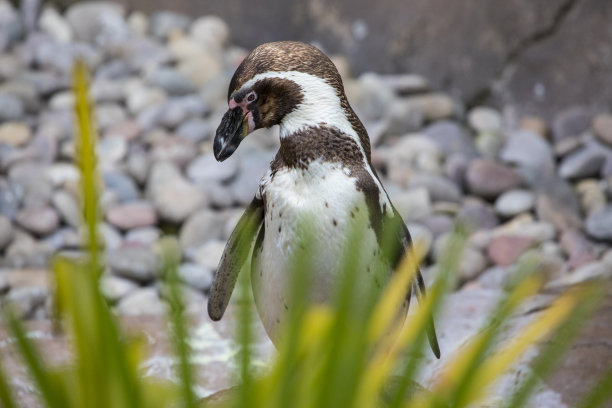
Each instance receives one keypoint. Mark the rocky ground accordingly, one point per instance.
(526, 187)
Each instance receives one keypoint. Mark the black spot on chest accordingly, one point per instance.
(330, 145)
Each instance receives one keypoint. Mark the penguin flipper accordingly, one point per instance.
(236, 253)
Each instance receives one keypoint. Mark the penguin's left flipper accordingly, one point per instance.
(236, 253)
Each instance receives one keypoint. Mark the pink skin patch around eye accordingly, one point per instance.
(249, 115)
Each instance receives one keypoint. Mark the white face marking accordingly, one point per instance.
(320, 106)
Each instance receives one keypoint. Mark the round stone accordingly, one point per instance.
(602, 127)
(68, 208)
(115, 288)
(136, 263)
(571, 122)
(145, 236)
(143, 301)
(15, 134)
(196, 276)
(485, 119)
(599, 224)
(200, 228)
(505, 250)
(38, 220)
(206, 168)
(210, 31)
(489, 179)
(584, 162)
(514, 202)
(209, 254)
(135, 214)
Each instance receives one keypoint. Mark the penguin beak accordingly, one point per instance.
(233, 128)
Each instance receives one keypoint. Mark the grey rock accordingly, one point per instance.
(211, 31)
(495, 277)
(485, 119)
(450, 137)
(67, 207)
(10, 198)
(599, 224)
(11, 25)
(171, 81)
(135, 214)
(206, 168)
(137, 165)
(98, 22)
(25, 300)
(219, 195)
(208, 255)
(163, 23)
(530, 153)
(63, 239)
(584, 162)
(6, 232)
(174, 149)
(11, 108)
(579, 249)
(402, 117)
(110, 237)
(136, 263)
(195, 130)
(514, 202)
(477, 215)
(55, 25)
(143, 301)
(438, 224)
(196, 276)
(115, 288)
(145, 236)
(122, 185)
(200, 228)
(439, 187)
(38, 220)
(421, 235)
(376, 96)
(413, 204)
(30, 177)
(489, 179)
(108, 114)
(253, 166)
(173, 196)
(455, 168)
(571, 122)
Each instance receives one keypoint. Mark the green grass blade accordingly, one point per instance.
(171, 258)
(600, 394)
(52, 395)
(6, 396)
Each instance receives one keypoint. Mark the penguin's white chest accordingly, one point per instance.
(323, 203)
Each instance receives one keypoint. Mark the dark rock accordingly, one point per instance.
(571, 122)
(584, 162)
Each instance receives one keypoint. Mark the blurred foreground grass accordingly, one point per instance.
(332, 356)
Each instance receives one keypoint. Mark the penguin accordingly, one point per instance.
(321, 182)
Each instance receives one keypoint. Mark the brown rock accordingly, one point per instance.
(534, 124)
(488, 179)
(505, 250)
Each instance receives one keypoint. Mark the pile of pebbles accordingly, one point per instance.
(526, 187)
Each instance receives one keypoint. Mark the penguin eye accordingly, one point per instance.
(251, 97)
